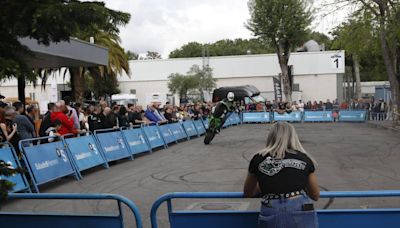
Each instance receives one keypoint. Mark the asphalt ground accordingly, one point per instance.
(350, 156)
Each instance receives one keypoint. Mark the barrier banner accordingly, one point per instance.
(113, 145)
(206, 123)
(228, 120)
(352, 116)
(290, 117)
(199, 126)
(8, 156)
(85, 152)
(254, 117)
(167, 133)
(153, 136)
(189, 128)
(318, 116)
(48, 162)
(136, 140)
(236, 118)
(178, 131)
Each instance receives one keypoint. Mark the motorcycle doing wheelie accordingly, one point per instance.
(218, 117)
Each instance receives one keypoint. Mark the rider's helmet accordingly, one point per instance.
(230, 96)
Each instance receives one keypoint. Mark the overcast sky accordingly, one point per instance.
(164, 25)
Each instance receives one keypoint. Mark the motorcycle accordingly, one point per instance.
(215, 124)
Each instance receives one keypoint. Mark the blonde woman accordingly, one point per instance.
(283, 173)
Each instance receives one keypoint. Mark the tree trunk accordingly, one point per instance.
(283, 63)
(21, 89)
(390, 69)
(77, 84)
(356, 65)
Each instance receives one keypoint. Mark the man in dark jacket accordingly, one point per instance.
(26, 129)
(46, 122)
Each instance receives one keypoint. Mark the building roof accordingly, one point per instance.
(304, 63)
(64, 54)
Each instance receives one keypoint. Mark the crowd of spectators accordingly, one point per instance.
(63, 117)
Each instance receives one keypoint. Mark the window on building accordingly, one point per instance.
(133, 91)
(296, 87)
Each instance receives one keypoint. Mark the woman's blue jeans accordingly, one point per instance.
(287, 213)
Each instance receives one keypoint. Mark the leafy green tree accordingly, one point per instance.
(132, 55)
(153, 55)
(205, 80)
(180, 84)
(386, 16)
(283, 25)
(47, 21)
(222, 48)
(360, 29)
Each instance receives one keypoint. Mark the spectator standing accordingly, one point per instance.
(46, 122)
(67, 102)
(9, 131)
(328, 105)
(108, 119)
(169, 114)
(283, 173)
(26, 129)
(95, 119)
(31, 112)
(123, 117)
(67, 121)
(300, 106)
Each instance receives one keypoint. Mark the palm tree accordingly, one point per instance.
(117, 63)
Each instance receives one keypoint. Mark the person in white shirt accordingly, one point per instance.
(300, 106)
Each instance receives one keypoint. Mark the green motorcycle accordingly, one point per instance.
(217, 119)
(213, 126)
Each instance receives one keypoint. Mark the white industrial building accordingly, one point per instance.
(317, 76)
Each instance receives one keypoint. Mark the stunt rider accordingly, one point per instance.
(223, 107)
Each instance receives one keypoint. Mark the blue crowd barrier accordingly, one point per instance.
(154, 137)
(189, 127)
(8, 155)
(206, 123)
(290, 117)
(46, 162)
(328, 218)
(199, 126)
(318, 116)
(113, 144)
(178, 131)
(352, 116)
(167, 134)
(85, 152)
(256, 117)
(236, 118)
(137, 140)
(68, 220)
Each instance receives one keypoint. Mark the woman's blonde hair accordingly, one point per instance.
(281, 139)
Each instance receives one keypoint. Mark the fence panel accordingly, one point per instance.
(71, 219)
(154, 136)
(178, 131)
(206, 123)
(352, 116)
(199, 126)
(189, 128)
(318, 116)
(256, 117)
(136, 140)
(7, 154)
(85, 152)
(112, 144)
(47, 162)
(167, 133)
(290, 117)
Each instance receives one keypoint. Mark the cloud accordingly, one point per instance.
(164, 25)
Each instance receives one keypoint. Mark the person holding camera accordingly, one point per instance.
(284, 175)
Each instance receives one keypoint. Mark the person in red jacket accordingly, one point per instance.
(67, 121)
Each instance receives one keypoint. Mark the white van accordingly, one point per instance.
(124, 99)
